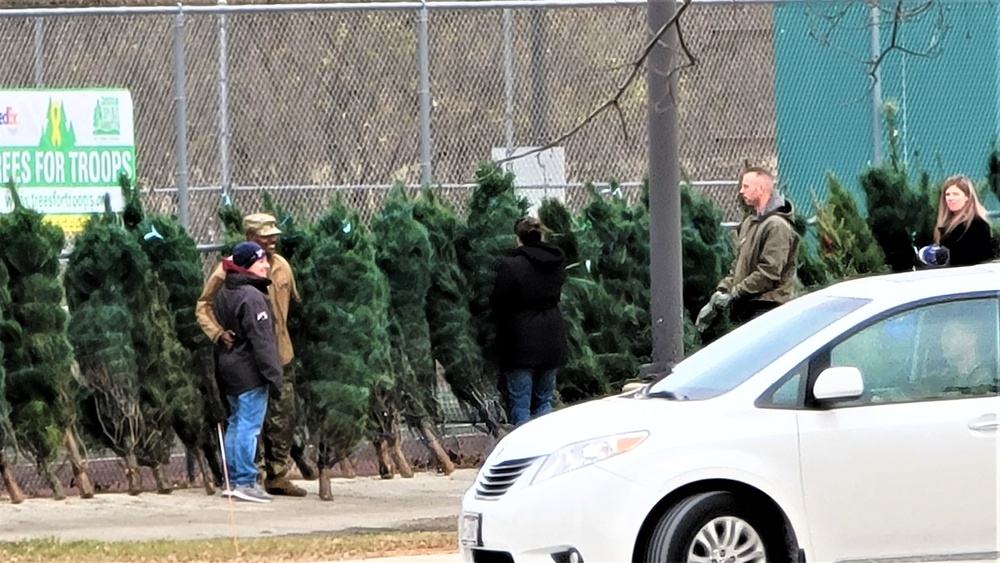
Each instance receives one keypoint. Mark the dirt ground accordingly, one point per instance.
(427, 502)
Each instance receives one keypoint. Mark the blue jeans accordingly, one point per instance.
(246, 416)
(529, 393)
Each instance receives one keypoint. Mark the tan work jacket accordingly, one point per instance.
(281, 291)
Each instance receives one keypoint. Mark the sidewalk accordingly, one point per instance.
(427, 502)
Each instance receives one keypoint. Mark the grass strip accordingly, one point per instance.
(297, 548)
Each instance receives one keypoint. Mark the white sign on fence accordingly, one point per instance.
(538, 176)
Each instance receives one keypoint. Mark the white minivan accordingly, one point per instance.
(855, 423)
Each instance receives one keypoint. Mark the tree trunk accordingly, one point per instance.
(79, 465)
(348, 468)
(325, 492)
(132, 476)
(206, 477)
(58, 493)
(213, 456)
(396, 449)
(163, 486)
(385, 466)
(9, 483)
(478, 400)
(434, 445)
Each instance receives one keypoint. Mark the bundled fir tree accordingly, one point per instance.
(173, 256)
(622, 338)
(340, 336)
(294, 245)
(448, 315)
(7, 441)
(707, 255)
(901, 214)
(121, 328)
(993, 185)
(38, 356)
(493, 209)
(293, 240)
(811, 271)
(232, 224)
(585, 305)
(845, 240)
(403, 252)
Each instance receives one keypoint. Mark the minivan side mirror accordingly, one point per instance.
(839, 383)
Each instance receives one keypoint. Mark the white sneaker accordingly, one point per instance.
(226, 493)
(250, 493)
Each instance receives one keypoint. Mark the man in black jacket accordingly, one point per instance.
(249, 367)
(530, 334)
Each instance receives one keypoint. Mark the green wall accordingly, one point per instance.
(948, 112)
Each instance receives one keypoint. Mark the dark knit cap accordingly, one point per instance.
(246, 253)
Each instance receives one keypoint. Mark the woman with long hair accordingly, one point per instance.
(961, 226)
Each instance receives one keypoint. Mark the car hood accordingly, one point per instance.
(594, 419)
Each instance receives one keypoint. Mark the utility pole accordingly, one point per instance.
(664, 194)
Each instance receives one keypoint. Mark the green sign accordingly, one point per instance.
(65, 149)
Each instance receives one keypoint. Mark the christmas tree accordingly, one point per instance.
(121, 329)
(340, 334)
(403, 252)
(993, 186)
(7, 440)
(493, 208)
(585, 305)
(845, 246)
(38, 356)
(619, 334)
(901, 214)
(707, 255)
(174, 258)
(448, 315)
(232, 224)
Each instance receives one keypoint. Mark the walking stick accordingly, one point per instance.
(225, 466)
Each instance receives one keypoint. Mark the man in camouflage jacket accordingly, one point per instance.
(279, 422)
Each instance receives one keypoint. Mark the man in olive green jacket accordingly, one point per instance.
(763, 272)
(279, 421)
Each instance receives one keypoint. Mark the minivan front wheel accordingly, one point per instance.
(714, 527)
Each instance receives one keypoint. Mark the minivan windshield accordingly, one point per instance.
(729, 361)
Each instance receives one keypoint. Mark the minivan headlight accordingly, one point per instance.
(582, 454)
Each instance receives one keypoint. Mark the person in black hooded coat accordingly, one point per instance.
(249, 368)
(530, 333)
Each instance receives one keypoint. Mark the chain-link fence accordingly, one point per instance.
(310, 101)
(314, 101)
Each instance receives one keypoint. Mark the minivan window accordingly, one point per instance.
(729, 361)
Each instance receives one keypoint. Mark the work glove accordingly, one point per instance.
(721, 299)
(706, 316)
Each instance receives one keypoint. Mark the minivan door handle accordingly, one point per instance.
(985, 423)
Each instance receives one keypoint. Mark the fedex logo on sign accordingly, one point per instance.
(8, 117)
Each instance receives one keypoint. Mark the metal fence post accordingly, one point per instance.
(539, 77)
(180, 117)
(425, 96)
(39, 52)
(876, 49)
(224, 178)
(508, 85)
